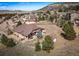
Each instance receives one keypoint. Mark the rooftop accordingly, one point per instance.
(26, 29)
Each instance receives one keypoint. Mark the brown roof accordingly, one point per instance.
(25, 29)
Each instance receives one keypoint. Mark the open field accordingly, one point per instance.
(61, 46)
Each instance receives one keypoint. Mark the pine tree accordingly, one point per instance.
(51, 18)
(48, 12)
(47, 44)
(7, 41)
(19, 23)
(37, 46)
(69, 31)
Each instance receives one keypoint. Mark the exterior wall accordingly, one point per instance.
(43, 32)
(74, 16)
(19, 36)
(29, 22)
(77, 23)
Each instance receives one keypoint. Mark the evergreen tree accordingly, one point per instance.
(48, 12)
(47, 44)
(19, 23)
(51, 18)
(61, 22)
(7, 41)
(3, 39)
(69, 31)
(55, 16)
(37, 46)
(10, 43)
(39, 18)
(60, 10)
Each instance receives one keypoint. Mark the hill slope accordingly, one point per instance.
(62, 6)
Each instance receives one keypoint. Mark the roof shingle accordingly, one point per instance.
(25, 29)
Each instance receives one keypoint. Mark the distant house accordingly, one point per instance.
(29, 19)
(62, 15)
(28, 31)
(77, 21)
(75, 18)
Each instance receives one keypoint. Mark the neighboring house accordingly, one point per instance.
(75, 18)
(77, 21)
(27, 31)
(29, 19)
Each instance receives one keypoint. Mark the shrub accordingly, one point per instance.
(7, 41)
(4, 39)
(60, 10)
(51, 19)
(37, 46)
(69, 32)
(19, 23)
(48, 12)
(10, 43)
(10, 32)
(61, 22)
(47, 44)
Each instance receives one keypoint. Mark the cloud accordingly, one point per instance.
(22, 5)
(3, 7)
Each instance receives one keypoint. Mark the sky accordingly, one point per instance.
(27, 6)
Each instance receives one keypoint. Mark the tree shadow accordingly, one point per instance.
(66, 37)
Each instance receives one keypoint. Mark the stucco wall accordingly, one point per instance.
(19, 36)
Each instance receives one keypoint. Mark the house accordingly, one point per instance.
(75, 18)
(77, 21)
(29, 19)
(27, 31)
